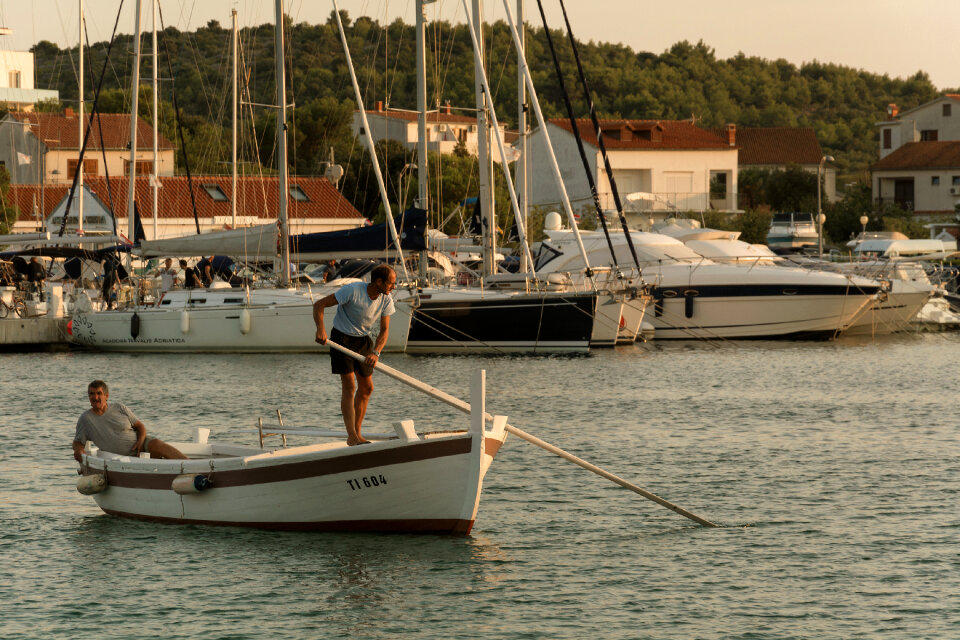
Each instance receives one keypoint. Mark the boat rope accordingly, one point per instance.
(576, 135)
(86, 135)
(176, 111)
(596, 126)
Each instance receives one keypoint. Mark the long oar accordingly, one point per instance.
(465, 407)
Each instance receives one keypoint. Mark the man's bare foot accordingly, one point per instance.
(354, 443)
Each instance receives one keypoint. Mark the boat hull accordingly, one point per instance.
(503, 322)
(430, 485)
(269, 328)
(757, 311)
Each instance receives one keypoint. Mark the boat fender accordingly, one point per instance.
(245, 321)
(688, 303)
(89, 485)
(190, 483)
(184, 321)
(134, 325)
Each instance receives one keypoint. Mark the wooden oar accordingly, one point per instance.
(465, 407)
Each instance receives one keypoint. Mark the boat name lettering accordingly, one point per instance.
(144, 340)
(367, 482)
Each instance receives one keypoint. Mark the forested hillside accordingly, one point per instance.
(840, 103)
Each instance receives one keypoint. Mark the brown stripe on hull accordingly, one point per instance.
(451, 526)
(297, 470)
(491, 446)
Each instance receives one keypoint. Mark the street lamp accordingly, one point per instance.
(863, 222)
(820, 216)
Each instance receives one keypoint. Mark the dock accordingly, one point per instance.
(42, 333)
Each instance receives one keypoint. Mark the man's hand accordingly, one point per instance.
(321, 335)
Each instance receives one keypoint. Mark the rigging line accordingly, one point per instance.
(176, 110)
(596, 125)
(103, 148)
(86, 136)
(576, 134)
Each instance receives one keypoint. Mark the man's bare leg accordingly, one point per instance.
(361, 400)
(348, 388)
(160, 449)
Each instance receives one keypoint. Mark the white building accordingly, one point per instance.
(679, 164)
(919, 166)
(16, 82)
(45, 147)
(445, 130)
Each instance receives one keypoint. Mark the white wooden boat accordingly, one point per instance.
(428, 482)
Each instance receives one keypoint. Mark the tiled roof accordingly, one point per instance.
(646, 134)
(432, 116)
(255, 197)
(61, 130)
(778, 145)
(923, 155)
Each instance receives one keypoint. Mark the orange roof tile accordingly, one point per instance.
(432, 116)
(61, 130)
(646, 134)
(255, 197)
(922, 155)
(778, 145)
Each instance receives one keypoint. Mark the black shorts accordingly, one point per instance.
(341, 362)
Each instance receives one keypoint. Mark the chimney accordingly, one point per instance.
(379, 106)
(448, 107)
(892, 110)
(68, 112)
(732, 135)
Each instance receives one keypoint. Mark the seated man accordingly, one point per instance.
(115, 429)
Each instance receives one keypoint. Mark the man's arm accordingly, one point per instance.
(318, 308)
(141, 436)
(381, 341)
(78, 448)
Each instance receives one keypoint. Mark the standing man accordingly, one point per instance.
(361, 308)
(115, 429)
(168, 276)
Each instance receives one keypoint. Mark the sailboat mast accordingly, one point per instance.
(423, 181)
(282, 149)
(156, 126)
(233, 146)
(368, 138)
(80, 122)
(135, 86)
(521, 174)
(489, 231)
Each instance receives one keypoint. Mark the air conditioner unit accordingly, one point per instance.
(955, 191)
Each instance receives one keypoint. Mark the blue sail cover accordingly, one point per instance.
(411, 227)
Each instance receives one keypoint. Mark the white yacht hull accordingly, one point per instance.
(894, 311)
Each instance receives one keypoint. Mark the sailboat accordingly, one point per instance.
(493, 317)
(222, 318)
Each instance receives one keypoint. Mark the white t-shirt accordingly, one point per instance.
(357, 314)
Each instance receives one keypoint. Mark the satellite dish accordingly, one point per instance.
(333, 173)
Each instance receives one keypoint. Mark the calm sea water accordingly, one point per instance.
(834, 467)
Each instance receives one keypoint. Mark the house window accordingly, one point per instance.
(298, 194)
(144, 167)
(934, 181)
(955, 181)
(89, 167)
(14, 77)
(928, 135)
(887, 138)
(946, 110)
(215, 192)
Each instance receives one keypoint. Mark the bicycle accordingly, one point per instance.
(17, 305)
